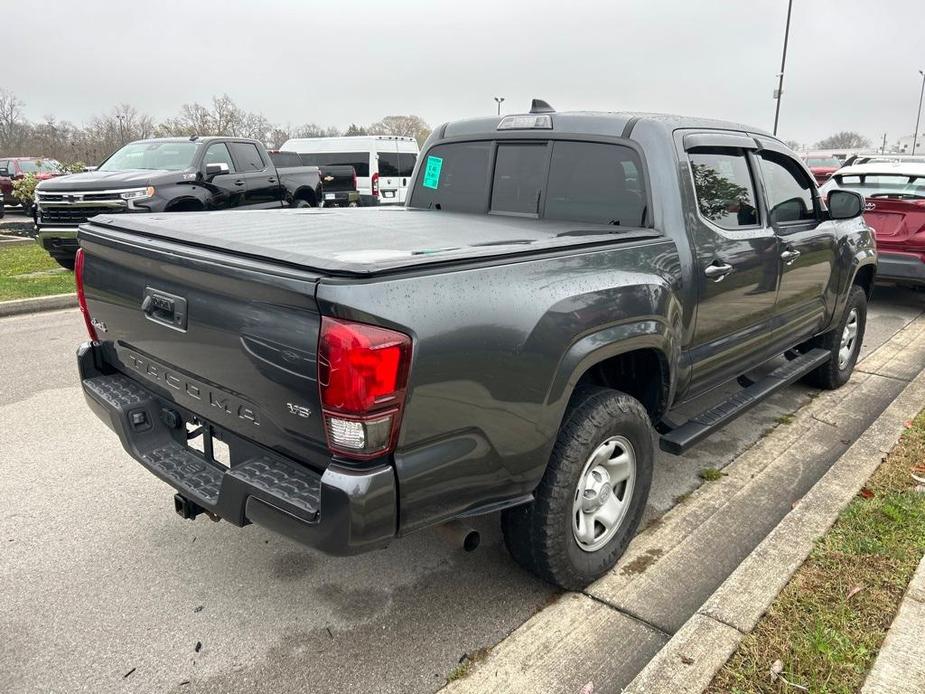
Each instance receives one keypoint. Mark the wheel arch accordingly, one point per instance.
(187, 203)
(638, 358)
(306, 193)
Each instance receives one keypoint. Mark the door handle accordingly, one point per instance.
(789, 256)
(271, 180)
(717, 271)
(239, 182)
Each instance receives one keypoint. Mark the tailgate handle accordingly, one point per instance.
(164, 308)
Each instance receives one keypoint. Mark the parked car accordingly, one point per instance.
(855, 159)
(339, 183)
(169, 175)
(383, 163)
(508, 341)
(822, 166)
(14, 168)
(895, 209)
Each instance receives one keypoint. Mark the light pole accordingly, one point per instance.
(121, 118)
(783, 62)
(498, 100)
(918, 114)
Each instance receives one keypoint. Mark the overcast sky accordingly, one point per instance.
(852, 64)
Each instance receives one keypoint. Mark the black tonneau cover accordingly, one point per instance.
(365, 241)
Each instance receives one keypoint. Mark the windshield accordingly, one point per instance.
(167, 156)
(894, 185)
(40, 166)
(829, 162)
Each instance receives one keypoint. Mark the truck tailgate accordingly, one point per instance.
(231, 340)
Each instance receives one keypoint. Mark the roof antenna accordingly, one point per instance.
(540, 106)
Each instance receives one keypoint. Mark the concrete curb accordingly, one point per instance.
(900, 665)
(695, 654)
(556, 650)
(37, 304)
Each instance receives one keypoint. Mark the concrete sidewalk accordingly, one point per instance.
(900, 665)
(608, 634)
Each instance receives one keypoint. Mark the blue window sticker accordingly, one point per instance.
(432, 172)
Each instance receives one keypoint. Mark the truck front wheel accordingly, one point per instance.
(844, 344)
(591, 499)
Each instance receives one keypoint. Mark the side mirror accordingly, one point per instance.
(845, 204)
(5, 173)
(217, 169)
(90, 168)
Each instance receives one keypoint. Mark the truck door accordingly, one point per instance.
(736, 258)
(389, 171)
(807, 246)
(261, 181)
(226, 190)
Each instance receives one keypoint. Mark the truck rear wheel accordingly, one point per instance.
(589, 504)
(844, 342)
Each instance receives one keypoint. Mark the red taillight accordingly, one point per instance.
(376, 184)
(362, 374)
(81, 297)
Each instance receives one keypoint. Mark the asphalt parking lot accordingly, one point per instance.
(103, 588)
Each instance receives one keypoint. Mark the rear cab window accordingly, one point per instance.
(592, 182)
(358, 160)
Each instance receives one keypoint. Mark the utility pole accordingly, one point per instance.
(883, 146)
(918, 114)
(783, 63)
(498, 100)
(121, 117)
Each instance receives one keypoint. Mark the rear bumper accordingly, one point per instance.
(338, 197)
(900, 267)
(340, 511)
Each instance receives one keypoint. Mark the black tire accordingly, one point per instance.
(540, 535)
(65, 261)
(834, 374)
(299, 202)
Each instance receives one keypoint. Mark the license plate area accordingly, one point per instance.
(204, 439)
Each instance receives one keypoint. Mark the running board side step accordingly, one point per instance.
(692, 432)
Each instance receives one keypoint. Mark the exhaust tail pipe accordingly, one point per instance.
(459, 534)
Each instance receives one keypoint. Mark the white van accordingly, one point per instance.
(383, 163)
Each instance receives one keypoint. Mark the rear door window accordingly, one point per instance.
(725, 191)
(595, 183)
(520, 176)
(406, 162)
(247, 157)
(388, 164)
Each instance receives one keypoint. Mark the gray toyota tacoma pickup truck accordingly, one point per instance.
(514, 339)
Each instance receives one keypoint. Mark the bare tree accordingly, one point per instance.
(407, 126)
(847, 139)
(13, 126)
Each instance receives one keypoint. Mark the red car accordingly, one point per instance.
(895, 210)
(12, 168)
(822, 167)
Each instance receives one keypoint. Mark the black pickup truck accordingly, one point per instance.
(170, 175)
(511, 341)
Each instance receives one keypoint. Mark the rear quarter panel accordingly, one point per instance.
(497, 350)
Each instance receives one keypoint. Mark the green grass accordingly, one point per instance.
(829, 622)
(466, 663)
(711, 474)
(28, 271)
